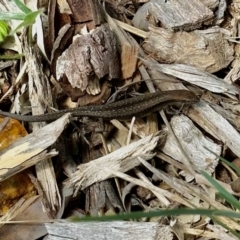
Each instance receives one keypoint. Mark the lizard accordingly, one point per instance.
(139, 106)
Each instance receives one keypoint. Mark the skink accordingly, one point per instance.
(124, 109)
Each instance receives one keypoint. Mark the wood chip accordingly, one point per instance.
(173, 15)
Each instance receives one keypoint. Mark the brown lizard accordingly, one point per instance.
(124, 109)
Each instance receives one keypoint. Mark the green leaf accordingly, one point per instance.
(31, 17)
(3, 30)
(22, 6)
(28, 20)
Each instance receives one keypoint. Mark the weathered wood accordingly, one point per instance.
(86, 61)
(174, 15)
(109, 230)
(204, 49)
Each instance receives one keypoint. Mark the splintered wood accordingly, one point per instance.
(30, 149)
(122, 160)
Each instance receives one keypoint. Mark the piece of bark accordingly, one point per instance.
(207, 50)
(109, 230)
(86, 61)
(173, 15)
(128, 49)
